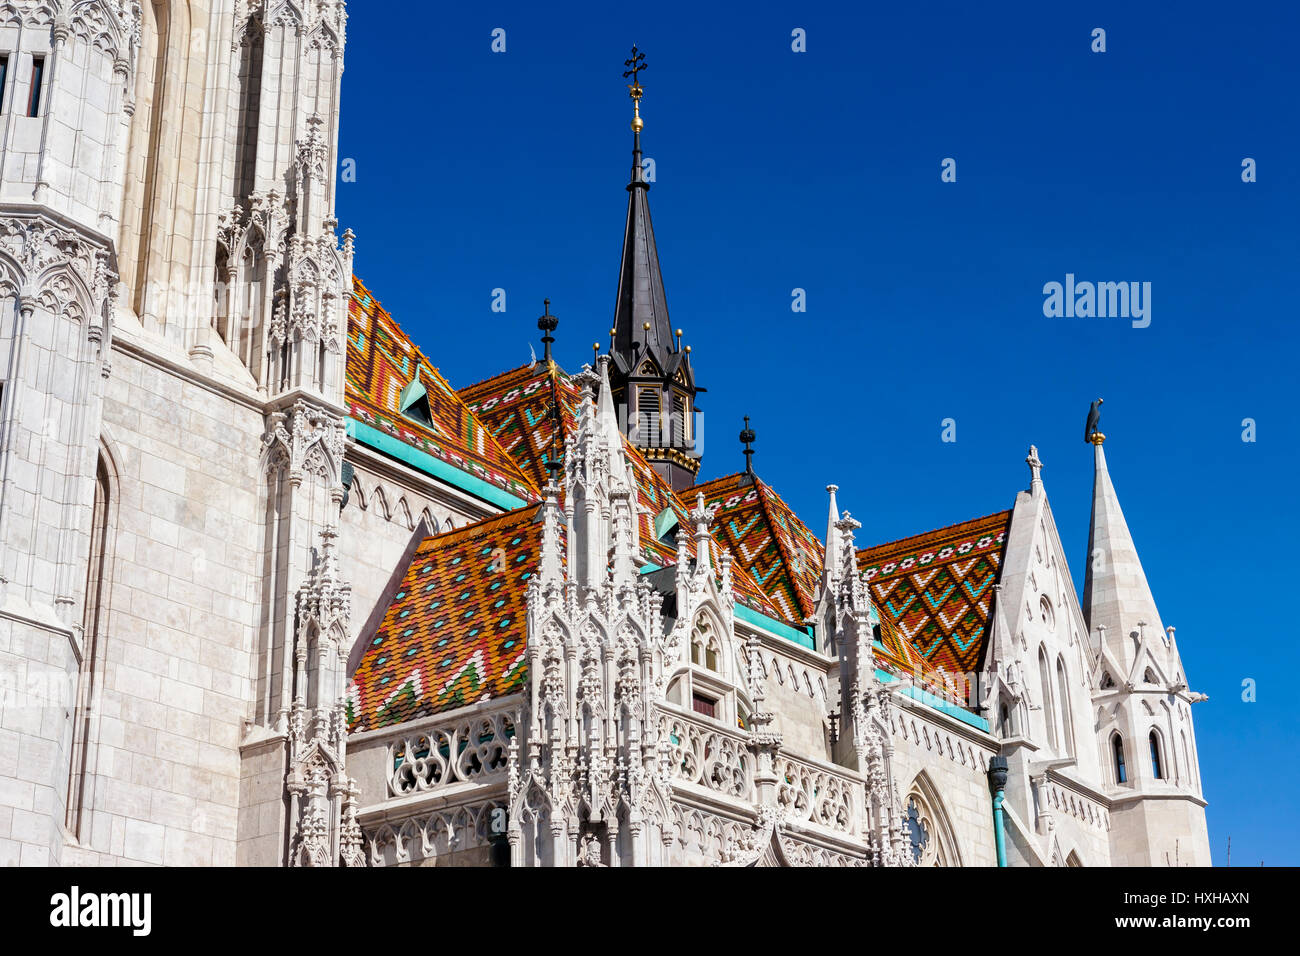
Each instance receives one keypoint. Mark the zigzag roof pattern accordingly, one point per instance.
(514, 406)
(381, 362)
(455, 631)
(786, 559)
(937, 588)
(778, 550)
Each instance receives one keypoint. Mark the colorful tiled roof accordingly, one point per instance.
(513, 406)
(381, 362)
(455, 631)
(937, 588)
(778, 550)
(896, 653)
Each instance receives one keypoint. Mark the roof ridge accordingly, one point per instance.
(773, 526)
(717, 481)
(477, 442)
(1005, 513)
(492, 379)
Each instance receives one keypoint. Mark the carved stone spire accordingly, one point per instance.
(1115, 590)
(831, 554)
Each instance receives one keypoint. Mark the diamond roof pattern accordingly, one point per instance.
(937, 588)
(514, 406)
(782, 555)
(455, 630)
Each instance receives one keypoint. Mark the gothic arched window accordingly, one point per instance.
(681, 420)
(1045, 680)
(917, 831)
(1117, 748)
(647, 414)
(1067, 728)
(931, 837)
(705, 648)
(1157, 769)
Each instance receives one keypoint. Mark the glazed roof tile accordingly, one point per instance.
(778, 550)
(937, 588)
(382, 361)
(455, 630)
(514, 406)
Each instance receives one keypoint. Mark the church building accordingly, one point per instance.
(274, 592)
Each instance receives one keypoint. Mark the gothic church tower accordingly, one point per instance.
(1141, 701)
(68, 76)
(173, 300)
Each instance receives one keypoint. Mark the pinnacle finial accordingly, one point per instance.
(1035, 466)
(747, 436)
(548, 324)
(635, 65)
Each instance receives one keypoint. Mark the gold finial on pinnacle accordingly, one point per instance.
(1097, 438)
(635, 65)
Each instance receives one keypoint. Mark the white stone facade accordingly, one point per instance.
(182, 582)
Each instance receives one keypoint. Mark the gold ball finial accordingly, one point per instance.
(645, 326)
(635, 65)
(688, 350)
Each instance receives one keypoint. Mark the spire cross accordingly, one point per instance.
(637, 64)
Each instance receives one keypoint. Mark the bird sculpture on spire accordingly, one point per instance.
(1091, 433)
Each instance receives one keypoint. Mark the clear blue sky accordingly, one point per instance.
(821, 171)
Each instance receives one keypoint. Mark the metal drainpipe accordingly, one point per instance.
(998, 784)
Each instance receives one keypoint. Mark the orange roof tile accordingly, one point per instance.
(514, 404)
(381, 362)
(778, 550)
(937, 588)
(455, 630)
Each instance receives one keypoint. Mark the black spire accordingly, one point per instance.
(650, 375)
(641, 299)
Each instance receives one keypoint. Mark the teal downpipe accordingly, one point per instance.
(998, 784)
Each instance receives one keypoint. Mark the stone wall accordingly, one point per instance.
(181, 628)
(38, 675)
(947, 763)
